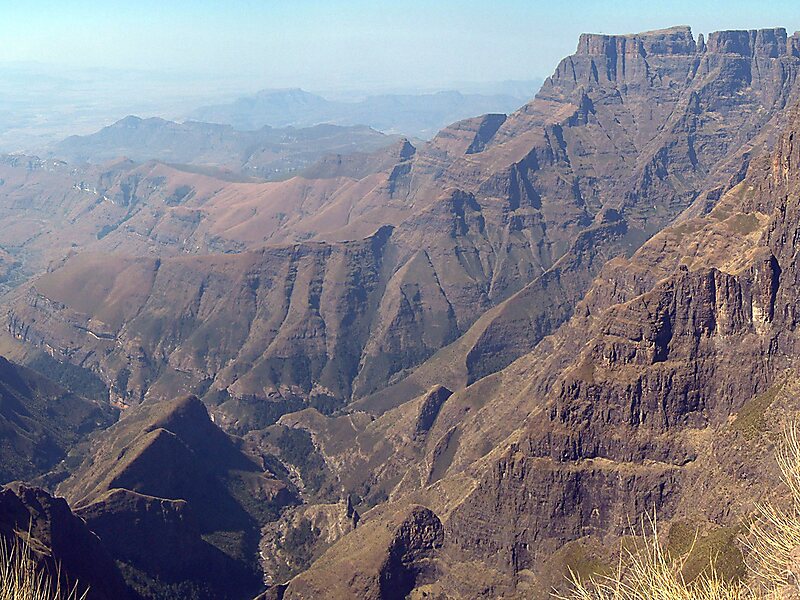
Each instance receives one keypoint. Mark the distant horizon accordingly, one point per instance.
(320, 46)
(247, 86)
(73, 69)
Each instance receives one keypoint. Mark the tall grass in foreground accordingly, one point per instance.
(774, 543)
(648, 572)
(22, 579)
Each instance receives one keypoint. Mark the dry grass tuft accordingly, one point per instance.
(22, 579)
(774, 541)
(647, 572)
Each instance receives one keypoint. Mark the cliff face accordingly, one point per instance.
(663, 392)
(506, 326)
(493, 212)
(649, 137)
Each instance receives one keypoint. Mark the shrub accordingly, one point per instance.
(774, 541)
(646, 571)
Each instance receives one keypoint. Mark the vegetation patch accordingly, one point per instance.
(750, 420)
(701, 552)
(680, 231)
(743, 223)
(299, 542)
(297, 448)
(74, 378)
(576, 559)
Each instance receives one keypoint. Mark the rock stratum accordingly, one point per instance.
(455, 369)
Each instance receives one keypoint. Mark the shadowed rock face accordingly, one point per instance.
(61, 542)
(165, 543)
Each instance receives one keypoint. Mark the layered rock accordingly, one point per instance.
(605, 156)
(468, 256)
(663, 392)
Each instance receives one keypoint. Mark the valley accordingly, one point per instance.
(328, 362)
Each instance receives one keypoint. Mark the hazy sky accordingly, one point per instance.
(338, 44)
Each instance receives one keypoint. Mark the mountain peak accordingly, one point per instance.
(767, 43)
(674, 40)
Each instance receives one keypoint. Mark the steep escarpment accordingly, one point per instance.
(165, 553)
(280, 313)
(626, 134)
(663, 392)
(680, 144)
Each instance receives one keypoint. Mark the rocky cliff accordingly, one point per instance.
(496, 348)
(624, 136)
(663, 392)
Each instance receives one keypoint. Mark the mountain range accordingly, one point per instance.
(415, 115)
(454, 368)
(266, 153)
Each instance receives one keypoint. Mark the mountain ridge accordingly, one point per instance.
(416, 115)
(457, 367)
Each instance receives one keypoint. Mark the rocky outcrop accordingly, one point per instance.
(429, 409)
(673, 41)
(764, 43)
(61, 542)
(382, 561)
(198, 500)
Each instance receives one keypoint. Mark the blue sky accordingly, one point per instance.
(332, 44)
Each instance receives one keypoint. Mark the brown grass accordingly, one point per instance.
(647, 571)
(774, 540)
(21, 578)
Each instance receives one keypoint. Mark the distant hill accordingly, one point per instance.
(266, 152)
(417, 115)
